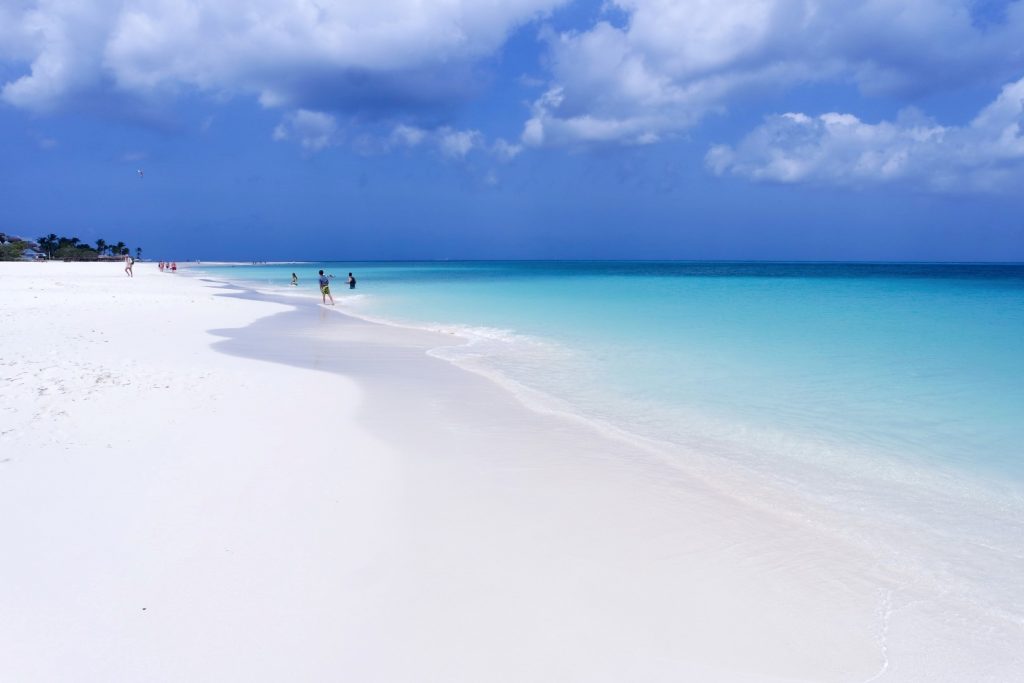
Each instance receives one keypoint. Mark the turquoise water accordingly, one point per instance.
(885, 403)
(879, 404)
(921, 364)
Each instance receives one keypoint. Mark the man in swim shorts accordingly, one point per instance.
(325, 288)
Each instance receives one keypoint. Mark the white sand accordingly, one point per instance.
(196, 486)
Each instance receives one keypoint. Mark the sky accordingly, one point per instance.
(466, 129)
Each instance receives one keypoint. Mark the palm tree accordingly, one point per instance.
(138, 253)
(119, 249)
(48, 244)
(101, 246)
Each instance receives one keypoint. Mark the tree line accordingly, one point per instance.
(59, 248)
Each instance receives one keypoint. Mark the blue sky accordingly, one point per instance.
(728, 129)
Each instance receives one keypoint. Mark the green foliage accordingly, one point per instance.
(12, 251)
(62, 248)
(75, 252)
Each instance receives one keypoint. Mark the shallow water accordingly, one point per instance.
(889, 394)
(918, 363)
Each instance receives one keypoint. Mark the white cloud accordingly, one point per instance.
(674, 61)
(408, 136)
(458, 143)
(840, 149)
(283, 51)
(313, 130)
(505, 150)
(61, 42)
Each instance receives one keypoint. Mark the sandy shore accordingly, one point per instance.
(197, 484)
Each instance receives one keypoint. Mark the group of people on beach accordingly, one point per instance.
(325, 284)
(171, 267)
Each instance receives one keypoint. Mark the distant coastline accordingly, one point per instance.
(53, 247)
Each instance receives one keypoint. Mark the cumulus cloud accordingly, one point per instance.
(840, 149)
(313, 130)
(408, 136)
(671, 62)
(295, 53)
(458, 143)
(61, 44)
(505, 150)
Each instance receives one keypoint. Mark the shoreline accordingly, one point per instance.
(794, 485)
(909, 575)
(391, 503)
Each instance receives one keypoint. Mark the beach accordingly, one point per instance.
(203, 482)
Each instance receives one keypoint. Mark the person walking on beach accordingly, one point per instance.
(351, 281)
(325, 288)
(295, 280)
(128, 263)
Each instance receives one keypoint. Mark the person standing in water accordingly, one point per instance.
(325, 288)
(351, 281)
(295, 280)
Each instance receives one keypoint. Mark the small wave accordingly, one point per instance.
(473, 335)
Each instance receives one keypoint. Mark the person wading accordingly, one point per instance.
(325, 288)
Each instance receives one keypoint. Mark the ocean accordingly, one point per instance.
(891, 395)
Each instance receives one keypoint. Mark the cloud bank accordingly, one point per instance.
(839, 149)
(671, 62)
(300, 54)
(645, 72)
